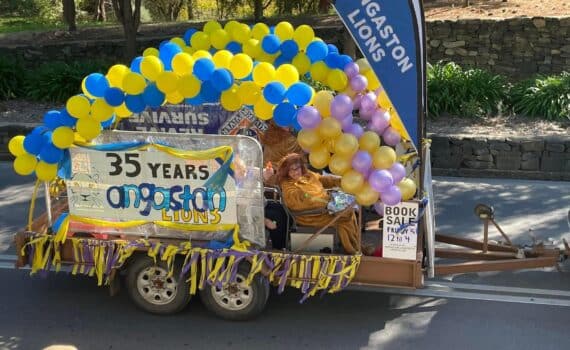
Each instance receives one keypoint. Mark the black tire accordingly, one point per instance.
(164, 295)
(230, 308)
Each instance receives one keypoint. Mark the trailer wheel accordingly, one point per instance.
(152, 290)
(237, 301)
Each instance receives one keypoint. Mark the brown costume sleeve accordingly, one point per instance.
(329, 181)
(295, 198)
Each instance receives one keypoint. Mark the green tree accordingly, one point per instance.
(129, 14)
(164, 10)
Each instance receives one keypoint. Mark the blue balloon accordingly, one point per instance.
(284, 114)
(66, 119)
(289, 49)
(317, 51)
(280, 60)
(52, 119)
(344, 60)
(333, 60)
(51, 154)
(204, 68)
(234, 47)
(209, 92)
(222, 79)
(270, 44)
(188, 35)
(162, 43)
(59, 221)
(108, 123)
(96, 84)
(64, 168)
(114, 96)
(152, 96)
(299, 94)
(195, 101)
(274, 92)
(296, 126)
(39, 129)
(136, 64)
(332, 48)
(167, 52)
(33, 143)
(135, 103)
(272, 30)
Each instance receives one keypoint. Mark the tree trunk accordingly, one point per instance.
(101, 13)
(190, 9)
(130, 18)
(69, 14)
(257, 10)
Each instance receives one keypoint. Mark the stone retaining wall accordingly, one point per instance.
(532, 158)
(517, 47)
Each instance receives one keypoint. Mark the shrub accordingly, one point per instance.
(467, 93)
(57, 81)
(547, 97)
(12, 78)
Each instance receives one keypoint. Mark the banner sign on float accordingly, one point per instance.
(388, 34)
(210, 118)
(150, 186)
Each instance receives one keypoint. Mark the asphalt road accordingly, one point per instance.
(39, 312)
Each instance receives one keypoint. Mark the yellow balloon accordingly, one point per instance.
(133, 83)
(230, 25)
(369, 142)
(367, 196)
(25, 164)
(337, 80)
(211, 26)
(259, 30)
(201, 54)
(100, 110)
(287, 74)
(62, 137)
(319, 71)
(265, 57)
(263, 74)
(178, 41)
(263, 109)
(241, 65)
(174, 97)
(78, 106)
(349, 92)
(88, 128)
(230, 99)
(252, 48)
(115, 75)
(340, 164)
(182, 63)
(284, 31)
(219, 38)
(308, 139)
(151, 67)
(16, 145)
(222, 59)
(241, 33)
(122, 111)
(352, 181)
(383, 100)
(322, 102)
(200, 41)
(249, 92)
(188, 49)
(45, 171)
(189, 86)
(329, 128)
(167, 82)
(363, 65)
(408, 188)
(150, 51)
(373, 82)
(384, 157)
(330, 143)
(319, 157)
(302, 62)
(303, 35)
(346, 145)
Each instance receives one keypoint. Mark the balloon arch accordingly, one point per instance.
(240, 65)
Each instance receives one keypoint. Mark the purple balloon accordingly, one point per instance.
(356, 130)
(356, 101)
(368, 101)
(391, 137)
(381, 180)
(391, 196)
(366, 113)
(398, 172)
(358, 82)
(346, 122)
(351, 69)
(308, 117)
(341, 105)
(381, 120)
(361, 162)
(379, 207)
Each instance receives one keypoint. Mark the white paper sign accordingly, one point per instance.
(148, 185)
(400, 231)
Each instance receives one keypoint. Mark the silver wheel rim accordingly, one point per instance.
(154, 285)
(233, 296)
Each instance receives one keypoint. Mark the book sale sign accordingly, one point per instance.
(400, 231)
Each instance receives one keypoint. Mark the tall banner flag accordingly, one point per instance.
(390, 34)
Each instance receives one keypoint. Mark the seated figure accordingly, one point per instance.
(305, 190)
